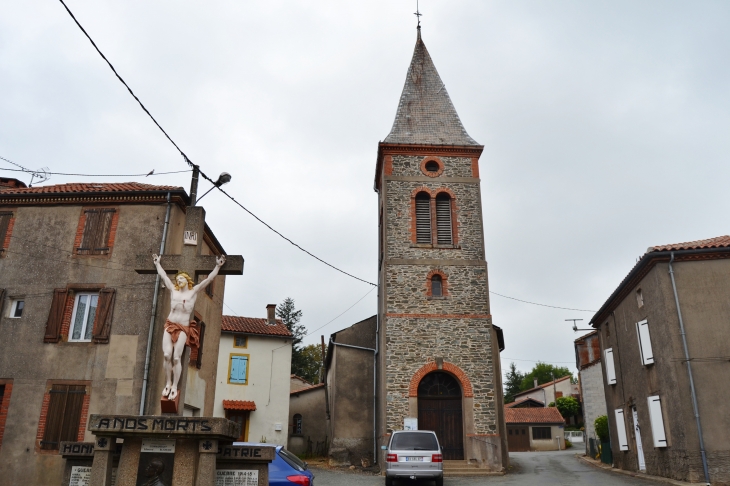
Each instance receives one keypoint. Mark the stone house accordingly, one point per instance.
(254, 364)
(308, 426)
(664, 343)
(434, 328)
(75, 316)
(547, 392)
(590, 379)
(534, 429)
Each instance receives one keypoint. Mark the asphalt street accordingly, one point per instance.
(527, 469)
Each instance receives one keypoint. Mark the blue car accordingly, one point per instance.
(286, 468)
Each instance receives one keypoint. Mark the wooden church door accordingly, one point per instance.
(439, 409)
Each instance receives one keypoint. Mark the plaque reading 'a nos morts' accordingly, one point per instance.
(236, 477)
(155, 462)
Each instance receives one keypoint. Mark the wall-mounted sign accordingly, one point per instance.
(158, 445)
(190, 238)
(236, 477)
(410, 423)
(81, 476)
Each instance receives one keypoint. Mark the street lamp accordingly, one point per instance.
(224, 178)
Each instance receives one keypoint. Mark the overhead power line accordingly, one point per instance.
(95, 175)
(541, 305)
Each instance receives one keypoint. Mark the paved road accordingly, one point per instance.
(528, 469)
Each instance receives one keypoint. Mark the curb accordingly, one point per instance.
(633, 474)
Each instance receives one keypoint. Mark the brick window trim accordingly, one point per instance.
(68, 308)
(454, 220)
(82, 224)
(44, 412)
(4, 406)
(450, 368)
(444, 283)
(431, 158)
(5, 244)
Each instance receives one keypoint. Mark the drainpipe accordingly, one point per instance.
(375, 389)
(154, 313)
(689, 373)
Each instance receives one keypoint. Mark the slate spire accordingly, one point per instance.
(425, 112)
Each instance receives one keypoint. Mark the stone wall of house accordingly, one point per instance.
(594, 396)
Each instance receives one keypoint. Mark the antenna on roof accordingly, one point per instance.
(418, 15)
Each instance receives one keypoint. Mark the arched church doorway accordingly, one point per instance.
(439, 409)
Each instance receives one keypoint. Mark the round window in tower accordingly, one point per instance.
(432, 166)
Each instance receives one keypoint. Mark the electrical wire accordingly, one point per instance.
(93, 175)
(541, 305)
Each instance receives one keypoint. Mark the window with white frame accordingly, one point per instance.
(16, 308)
(82, 320)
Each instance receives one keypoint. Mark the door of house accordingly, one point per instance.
(639, 447)
(518, 438)
(439, 409)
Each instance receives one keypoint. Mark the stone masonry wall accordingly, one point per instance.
(404, 165)
(594, 396)
(467, 214)
(413, 342)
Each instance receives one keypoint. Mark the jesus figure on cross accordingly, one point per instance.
(179, 329)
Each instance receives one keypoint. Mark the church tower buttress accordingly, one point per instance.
(439, 356)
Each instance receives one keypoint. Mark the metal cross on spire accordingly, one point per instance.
(418, 15)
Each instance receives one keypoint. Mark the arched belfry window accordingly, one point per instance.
(423, 218)
(437, 286)
(444, 234)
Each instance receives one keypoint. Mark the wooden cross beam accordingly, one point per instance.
(191, 261)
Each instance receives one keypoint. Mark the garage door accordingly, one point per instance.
(518, 438)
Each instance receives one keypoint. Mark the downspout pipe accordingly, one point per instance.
(375, 390)
(689, 373)
(150, 335)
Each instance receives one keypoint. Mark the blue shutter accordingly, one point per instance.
(243, 368)
(238, 369)
(234, 369)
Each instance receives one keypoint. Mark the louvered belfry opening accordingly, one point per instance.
(423, 218)
(444, 234)
(63, 416)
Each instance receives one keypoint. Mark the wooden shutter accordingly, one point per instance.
(623, 441)
(95, 240)
(63, 415)
(199, 357)
(610, 368)
(423, 218)
(55, 316)
(104, 315)
(443, 220)
(642, 331)
(2, 301)
(657, 421)
(4, 224)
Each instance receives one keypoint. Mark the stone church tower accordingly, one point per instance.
(439, 353)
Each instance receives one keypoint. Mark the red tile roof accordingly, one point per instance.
(521, 401)
(239, 405)
(547, 415)
(309, 388)
(717, 242)
(253, 325)
(82, 187)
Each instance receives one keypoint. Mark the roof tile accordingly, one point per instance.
(546, 415)
(253, 325)
(83, 187)
(239, 405)
(717, 242)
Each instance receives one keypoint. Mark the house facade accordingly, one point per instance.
(547, 392)
(664, 341)
(590, 379)
(75, 316)
(534, 429)
(308, 427)
(254, 369)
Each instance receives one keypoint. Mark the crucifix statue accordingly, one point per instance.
(179, 328)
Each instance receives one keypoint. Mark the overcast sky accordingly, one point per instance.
(604, 125)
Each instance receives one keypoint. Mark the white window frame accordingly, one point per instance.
(623, 440)
(14, 306)
(610, 367)
(85, 323)
(645, 350)
(657, 421)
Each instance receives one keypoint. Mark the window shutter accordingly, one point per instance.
(610, 368)
(90, 227)
(55, 316)
(657, 421)
(647, 355)
(243, 363)
(4, 224)
(423, 218)
(234, 369)
(63, 415)
(101, 237)
(443, 220)
(623, 442)
(2, 300)
(199, 357)
(104, 315)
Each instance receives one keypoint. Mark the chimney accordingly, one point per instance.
(535, 382)
(271, 314)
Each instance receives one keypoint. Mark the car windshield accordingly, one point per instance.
(414, 441)
(293, 460)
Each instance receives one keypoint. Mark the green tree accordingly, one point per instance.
(290, 316)
(544, 373)
(601, 426)
(310, 363)
(567, 406)
(512, 383)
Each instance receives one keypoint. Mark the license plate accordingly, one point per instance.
(409, 459)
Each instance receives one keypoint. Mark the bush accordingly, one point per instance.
(568, 444)
(601, 426)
